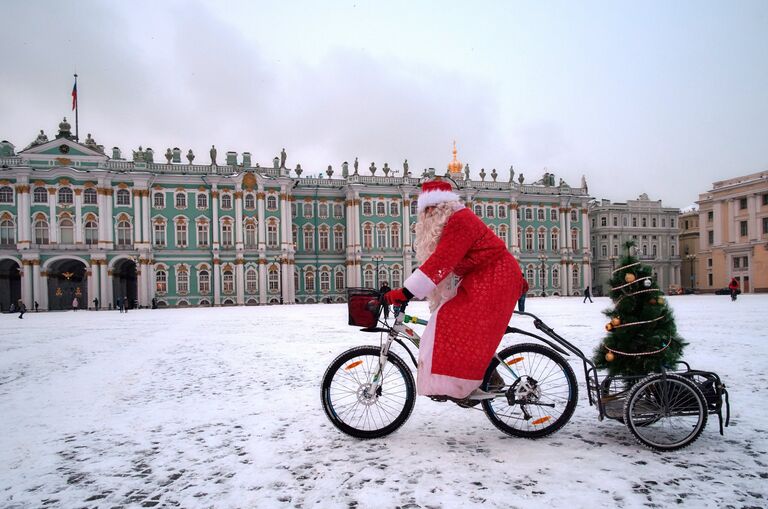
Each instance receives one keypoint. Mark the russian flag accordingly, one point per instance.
(74, 96)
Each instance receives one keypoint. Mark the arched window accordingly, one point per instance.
(645, 222)
(158, 200)
(250, 202)
(322, 211)
(159, 234)
(7, 232)
(540, 214)
(294, 210)
(529, 239)
(308, 209)
(6, 194)
(394, 209)
(226, 201)
(338, 210)
(502, 211)
(397, 277)
(530, 273)
(338, 238)
(339, 280)
(555, 239)
(489, 211)
(367, 208)
(89, 196)
(226, 235)
(272, 234)
(553, 215)
(273, 279)
(324, 238)
(394, 236)
(367, 236)
(65, 196)
(575, 217)
(381, 208)
(653, 222)
(296, 284)
(181, 233)
(309, 281)
(228, 281)
(181, 200)
(504, 231)
(295, 236)
(123, 197)
(528, 214)
(250, 235)
(309, 238)
(41, 231)
(414, 207)
(575, 279)
(202, 201)
(368, 277)
(202, 233)
(91, 233)
(271, 202)
(541, 239)
(478, 210)
(251, 281)
(574, 239)
(204, 282)
(161, 281)
(381, 236)
(40, 195)
(325, 280)
(66, 231)
(556, 277)
(182, 281)
(124, 233)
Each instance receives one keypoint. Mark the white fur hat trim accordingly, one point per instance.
(433, 198)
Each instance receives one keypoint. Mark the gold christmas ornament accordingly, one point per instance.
(660, 300)
(629, 277)
(609, 356)
(608, 327)
(615, 321)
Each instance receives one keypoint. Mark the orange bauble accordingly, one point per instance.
(629, 277)
(616, 321)
(608, 327)
(609, 356)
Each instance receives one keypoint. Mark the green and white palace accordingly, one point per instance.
(76, 223)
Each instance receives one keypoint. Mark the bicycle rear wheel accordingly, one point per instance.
(541, 391)
(348, 403)
(665, 412)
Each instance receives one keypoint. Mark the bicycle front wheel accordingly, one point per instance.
(665, 412)
(349, 402)
(540, 391)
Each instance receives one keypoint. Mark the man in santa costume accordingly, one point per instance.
(468, 319)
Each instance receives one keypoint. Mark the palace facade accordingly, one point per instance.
(75, 222)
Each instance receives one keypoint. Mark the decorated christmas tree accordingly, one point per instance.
(642, 336)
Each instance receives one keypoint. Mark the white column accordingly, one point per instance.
(215, 226)
(240, 281)
(261, 218)
(93, 282)
(358, 244)
(110, 284)
(138, 220)
(216, 275)
(513, 225)
(53, 230)
(26, 287)
(563, 230)
(284, 267)
(109, 227)
(78, 237)
(238, 217)
(585, 245)
(731, 220)
(146, 223)
(36, 289)
(24, 223)
(407, 247)
(350, 223)
(262, 281)
(43, 291)
(105, 298)
(752, 224)
(101, 200)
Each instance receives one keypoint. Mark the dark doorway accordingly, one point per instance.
(67, 281)
(10, 284)
(124, 283)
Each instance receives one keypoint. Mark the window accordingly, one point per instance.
(615, 250)
(250, 235)
(182, 281)
(575, 282)
(41, 231)
(574, 239)
(478, 210)
(338, 239)
(394, 209)
(309, 238)
(504, 232)
(736, 260)
(604, 250)
(645, 249)
(7, 232)
(295, 236)
(339, 280)
(6, 194)
(367, 236)
(529, 214)
(540, 214)
(324, 238)
(743, 231)
(645, 222)
(529, 274)
(273, 279)
(294, 210)
(503, 212)
(653, 222)
(181, 234)
(67, 231)
(489, 211)
(553, 214)
(575, 217)
(672, 250)
(250, 202)
(338, 210)
(672, 223)
(654, 250)
(554, 239)
(124, 236)
(368, 278)
(65, 196)
(381, 208)
(414, 207)
(202, 234)
(204, 282)
(272, 234)
(202, 201)
(307, 209)
(541, 237)
(181, 200)
(161, 281)
(159, 237)
(711, 237)
(634, 222)
(765, 225)
(272, 202)
(228, 281)
(742, 203)
(394, 236)
(226, 201)
(251, 281)
(624, 221)
(123, 197)
(603, 221)
(158, 200)
(322, 210)
(529, 239)
(555, 276)
(664, 222)
(367, 208)
(40, 195)
(765, 199)
(89, 196)
(709, 279)
(381, 236)
(309, 281)
(91, 233)
(226, 235)
(325, 280)
(615, 221)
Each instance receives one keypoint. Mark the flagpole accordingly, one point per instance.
(77, 106)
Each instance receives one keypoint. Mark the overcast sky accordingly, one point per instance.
(662, 98)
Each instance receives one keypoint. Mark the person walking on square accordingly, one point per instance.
(384, 289)
(96, 304)
(521, 300)
(75, 303)
(733, 286)
(36, 306)
(125, 304)
(587, 295)
(22, 308)
(119, 305)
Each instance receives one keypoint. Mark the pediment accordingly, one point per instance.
(62, 147)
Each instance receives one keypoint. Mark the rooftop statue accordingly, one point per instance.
(372, 167)
(41, 138)
(345, 169)
(494, 174)
(90, 141)
(212, 152)
(168, 155)
(283, 157)
(405, 169)
(583, 182)
(511, 173)
(190, 156)
(385, 169)
(466, 171)
(355, 165)
(329, 171)
(521, 179)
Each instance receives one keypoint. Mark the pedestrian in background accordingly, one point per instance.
(521, 300)
(119, 305)
(22, 308)
(36, 305)
(587, 295)
(733, 286)
(384, 289)
(75, 303)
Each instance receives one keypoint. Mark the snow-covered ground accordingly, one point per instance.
(220, 408)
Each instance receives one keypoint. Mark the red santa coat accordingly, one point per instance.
(464, 332)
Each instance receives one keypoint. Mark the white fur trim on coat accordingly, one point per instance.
(433, 198)
(419, 284)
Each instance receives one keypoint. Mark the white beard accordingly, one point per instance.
(428, 232)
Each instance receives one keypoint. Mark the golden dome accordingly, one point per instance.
(454, 167)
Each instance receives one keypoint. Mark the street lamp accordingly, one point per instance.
(377, 259)
(543, 274)
(691, 258)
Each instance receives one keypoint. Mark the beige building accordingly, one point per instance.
(733, 221)
(689, 249)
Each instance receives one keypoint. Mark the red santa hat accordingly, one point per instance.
(434, 192)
